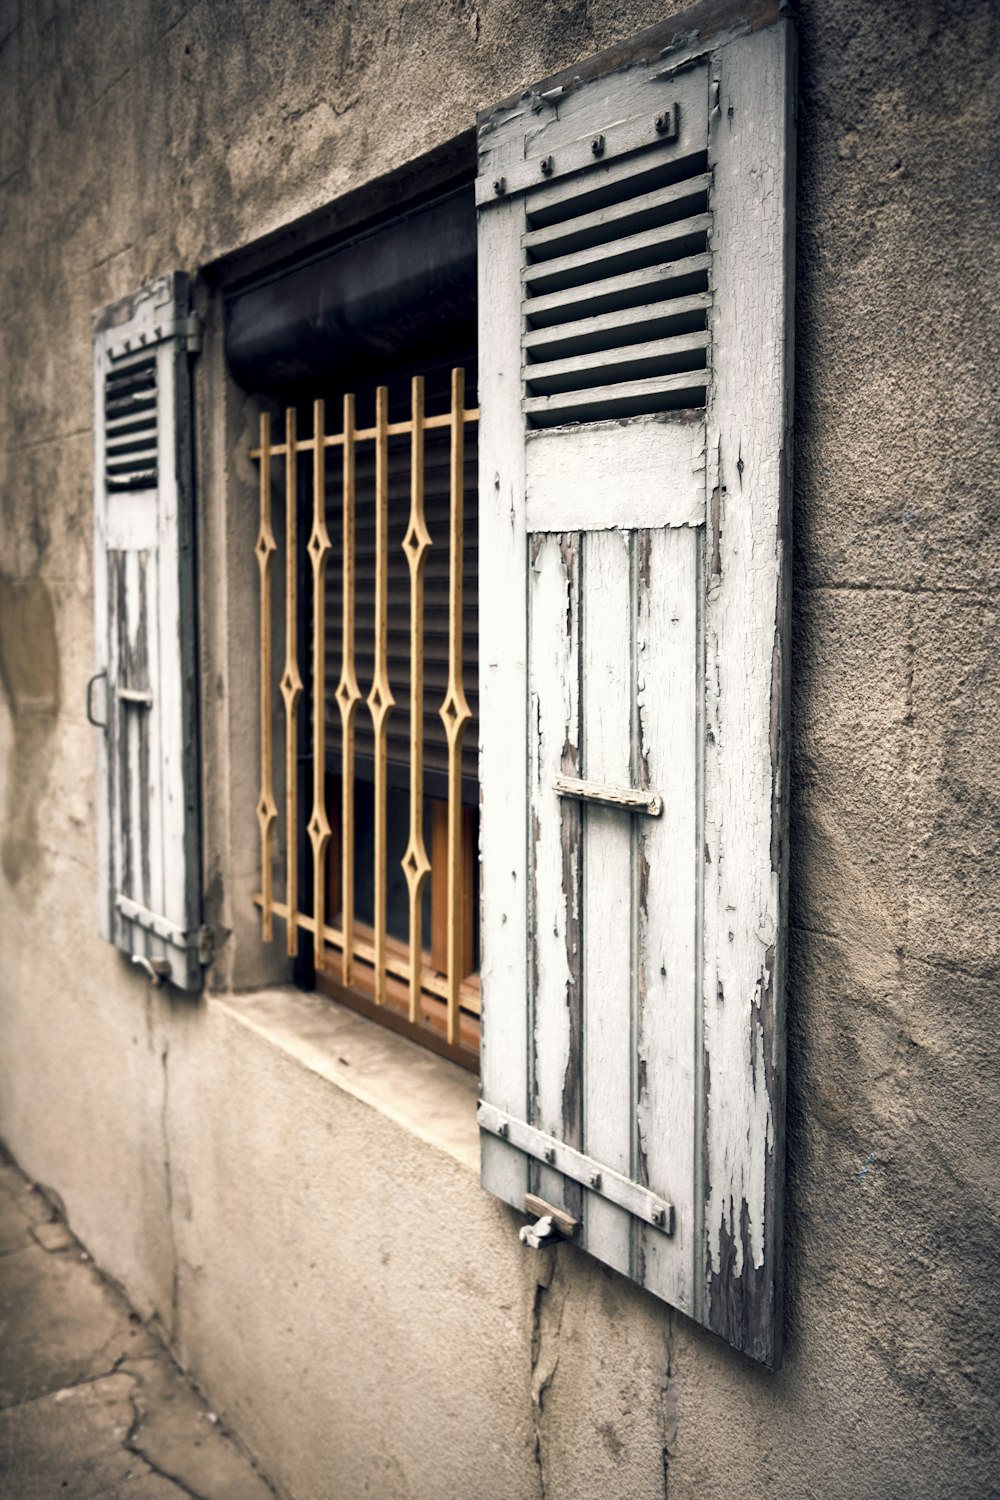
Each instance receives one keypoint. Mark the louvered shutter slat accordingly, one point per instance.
(635, 285)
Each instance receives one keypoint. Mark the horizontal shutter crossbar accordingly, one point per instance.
(159, 926)
(620, 142)
(591, 1174)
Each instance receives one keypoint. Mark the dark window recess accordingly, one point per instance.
(387, 300)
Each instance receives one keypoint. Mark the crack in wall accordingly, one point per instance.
(668, 1404)
(169, 1195)
(546, 1326)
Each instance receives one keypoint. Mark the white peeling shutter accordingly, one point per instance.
(634, 292)
(150, 876)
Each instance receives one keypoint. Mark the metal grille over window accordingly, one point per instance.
(367, 538)
(130, 407)
(616, 291)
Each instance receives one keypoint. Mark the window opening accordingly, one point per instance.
(368, 655)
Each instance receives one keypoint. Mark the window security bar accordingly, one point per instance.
(374, 949)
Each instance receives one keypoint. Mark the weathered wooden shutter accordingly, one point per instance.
(635, 229)
(150, 876)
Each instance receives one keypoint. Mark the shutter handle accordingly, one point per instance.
(97, 723)
(627, 798)
(555, 1224)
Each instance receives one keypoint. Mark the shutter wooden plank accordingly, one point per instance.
(608, 883)
(503, 649)
(644, 472)
(668, 678)
(746, 620)
(554, 688)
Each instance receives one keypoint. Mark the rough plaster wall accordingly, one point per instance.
(138, 138)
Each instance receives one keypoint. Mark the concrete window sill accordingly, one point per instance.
(432, 1098)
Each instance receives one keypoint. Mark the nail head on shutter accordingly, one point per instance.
(666, 122)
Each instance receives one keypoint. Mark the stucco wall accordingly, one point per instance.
(344, 1291)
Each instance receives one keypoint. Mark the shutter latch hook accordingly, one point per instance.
(551, 1224)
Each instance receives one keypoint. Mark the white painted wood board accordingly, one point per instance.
(647, 471)
(746, 615)
(503, 720)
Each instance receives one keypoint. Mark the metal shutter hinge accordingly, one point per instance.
(187, 328)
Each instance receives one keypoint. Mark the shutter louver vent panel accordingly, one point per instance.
(130, 408)
(616, 294)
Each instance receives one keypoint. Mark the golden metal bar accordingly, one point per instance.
(291, 686)
(416, 865)
(267, 810)
(319, 553)
(348, 695)
(454, 711)
(394, 429)
(380, 699)
(433, 983)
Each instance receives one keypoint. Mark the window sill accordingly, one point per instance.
(433, 1099)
